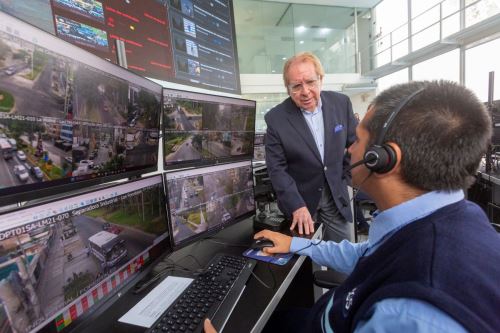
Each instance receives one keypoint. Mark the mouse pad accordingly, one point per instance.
(277, 259)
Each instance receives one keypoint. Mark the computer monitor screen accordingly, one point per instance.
(259, 149)
(494, 109)
(192, 42)
(204, 200)
(202, 129)
(204, 44)
(68, 117)
(61, 259)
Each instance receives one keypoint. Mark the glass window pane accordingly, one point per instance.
(264, 35)
(445, 66)
(479, 61)
(391, 28)
(420, 6)
(480, 10)
(268, 33)
(265, 102)
(392, 79)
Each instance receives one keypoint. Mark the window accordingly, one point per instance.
(479, 61)
(392, 79)
(445, 66)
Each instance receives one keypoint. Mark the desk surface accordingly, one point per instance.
(255, 305)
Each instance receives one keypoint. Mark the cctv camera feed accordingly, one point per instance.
(36, 12)
(205, 129)
(201, 201)
(259, 151)
(190, 42)
(60, 259)
(63, 121)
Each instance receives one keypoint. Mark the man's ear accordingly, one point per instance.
(399, 155)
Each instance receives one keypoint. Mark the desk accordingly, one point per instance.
(256, 304)
(486, 193)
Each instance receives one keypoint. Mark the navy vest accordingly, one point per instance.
(450, 259)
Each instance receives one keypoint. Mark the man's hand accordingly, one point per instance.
(303, 219)
(208, 327)
(281, 242)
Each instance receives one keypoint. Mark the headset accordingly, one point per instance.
(381, 157)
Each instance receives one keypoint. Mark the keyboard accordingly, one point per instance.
(213, 294)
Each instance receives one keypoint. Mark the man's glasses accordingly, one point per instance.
(297, 87)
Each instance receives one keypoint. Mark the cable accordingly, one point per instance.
(169, 267)
(261, 282)
(224, 243)
(272, 275)
(357, 189)
(312, 243)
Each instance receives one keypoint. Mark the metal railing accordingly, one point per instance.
(399, 42)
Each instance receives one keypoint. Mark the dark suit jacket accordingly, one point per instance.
(293, 160)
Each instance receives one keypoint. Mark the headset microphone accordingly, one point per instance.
(368, 159)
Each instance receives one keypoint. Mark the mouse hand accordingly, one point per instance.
(281, 242)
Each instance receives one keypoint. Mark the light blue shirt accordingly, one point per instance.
(315, 123)
(391, 314)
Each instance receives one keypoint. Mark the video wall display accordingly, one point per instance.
(190, 42)
(204, 200)
(62, 258)
(65, 121)
(202, 129)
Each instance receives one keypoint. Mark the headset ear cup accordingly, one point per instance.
(382, 158)
(390, 159)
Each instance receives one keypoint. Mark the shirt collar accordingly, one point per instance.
(393, 219)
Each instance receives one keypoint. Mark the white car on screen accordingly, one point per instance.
(86, 164)
(21, 155)
(21, 172)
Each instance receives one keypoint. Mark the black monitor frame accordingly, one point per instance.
(203, 97)
(31, 34)
(213, 230)
(156, 252)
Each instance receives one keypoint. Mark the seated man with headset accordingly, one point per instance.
(430, 263)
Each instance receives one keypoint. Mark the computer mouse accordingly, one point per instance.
(260, 243)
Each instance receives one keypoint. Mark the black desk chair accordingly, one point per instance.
(328, 279)
(332, 279)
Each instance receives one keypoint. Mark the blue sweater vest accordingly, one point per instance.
(450, 259)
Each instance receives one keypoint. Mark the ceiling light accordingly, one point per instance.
(301, 42)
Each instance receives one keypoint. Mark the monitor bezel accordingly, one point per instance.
(146, 268)
(206, 234)
(203, 162)
(42, 38)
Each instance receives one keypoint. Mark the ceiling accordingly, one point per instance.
(275, 13)
(341, 3)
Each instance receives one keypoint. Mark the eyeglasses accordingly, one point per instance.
(297, 87)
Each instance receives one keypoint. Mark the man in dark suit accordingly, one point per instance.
(307, 136)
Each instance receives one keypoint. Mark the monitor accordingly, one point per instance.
(259, 149)
(69, 118)
(191, 42)
(494, 109)
(203, 201)
(201, 129)
(61, 260)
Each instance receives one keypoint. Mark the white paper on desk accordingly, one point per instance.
(151, 307)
